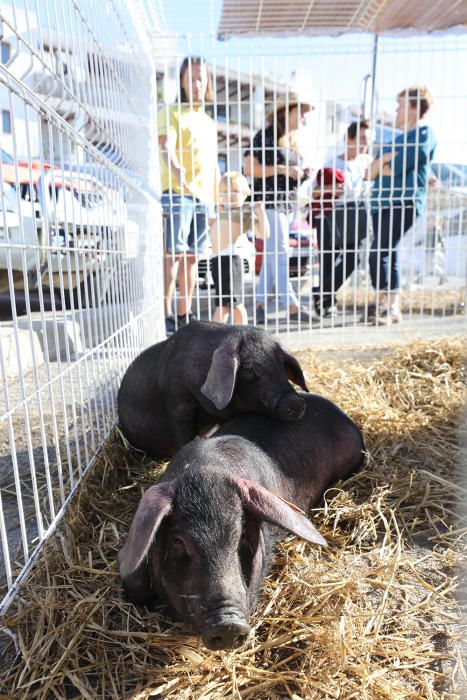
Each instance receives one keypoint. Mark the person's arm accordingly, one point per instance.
(253, 168)
(413, 153)
(380, 166)
(261, 226)
(168, 151)
(337, 190)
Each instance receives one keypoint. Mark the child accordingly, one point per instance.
(234, 218)
(330, 183)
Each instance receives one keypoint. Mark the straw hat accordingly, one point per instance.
(292, 99)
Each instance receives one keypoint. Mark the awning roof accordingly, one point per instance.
(318, 17)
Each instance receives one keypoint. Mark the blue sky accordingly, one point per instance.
(338, 64)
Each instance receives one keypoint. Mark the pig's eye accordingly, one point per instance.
(246, 557)
(178, 547)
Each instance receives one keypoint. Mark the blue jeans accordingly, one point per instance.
(275, 267)
(389, 225)
(186, 223)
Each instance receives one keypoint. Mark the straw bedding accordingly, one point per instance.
(436, 301)
(376, 615)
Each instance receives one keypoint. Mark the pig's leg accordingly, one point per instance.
(183, 420)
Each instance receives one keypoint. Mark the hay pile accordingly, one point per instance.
(435, 301)
(377, 615)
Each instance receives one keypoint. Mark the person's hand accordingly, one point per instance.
(180, 176)
(259, 207)
(295, 172)
(387, 157)
(337, 189)
(381, 166)
(340, 187)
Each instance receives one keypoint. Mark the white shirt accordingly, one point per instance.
(354, 171)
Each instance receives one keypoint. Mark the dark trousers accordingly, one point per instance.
(389, 225)
(339, 236)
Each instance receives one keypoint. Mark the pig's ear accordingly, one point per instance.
(154, 506)
(294, 371)
(268, 506)
(220, 382)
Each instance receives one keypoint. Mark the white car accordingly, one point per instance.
(21, 233)
(82, 233)
(88, 227)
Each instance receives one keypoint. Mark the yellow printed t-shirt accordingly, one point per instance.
(196, 148)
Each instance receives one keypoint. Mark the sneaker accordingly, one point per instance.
(329, 311)
(301, 315)
(387, 318)
(170, 324)
(182, 319)
(369, 315)
(260, 315)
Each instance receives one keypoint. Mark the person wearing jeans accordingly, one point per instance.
(340, 214)
(401, 174)
(189, 176)
(273, 164)
(274, 274)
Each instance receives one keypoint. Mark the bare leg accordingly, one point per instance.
(171, 264)
(186, 283)
(221, 314)
(240, 315)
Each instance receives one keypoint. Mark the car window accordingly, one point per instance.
(6, 158)
(8, 202)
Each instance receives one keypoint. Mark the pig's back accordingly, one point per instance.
(323, 446)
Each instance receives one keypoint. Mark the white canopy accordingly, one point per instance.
(318, 17)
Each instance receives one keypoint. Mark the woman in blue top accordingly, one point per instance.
(398, 195)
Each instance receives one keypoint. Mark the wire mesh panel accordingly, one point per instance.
(294, 197)
(80, 232)
(352, 215)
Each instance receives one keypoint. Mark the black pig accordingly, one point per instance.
(202, 375)
(202, 539)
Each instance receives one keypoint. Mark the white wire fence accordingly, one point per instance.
(314, 176)
(80, 265)
(88, 91)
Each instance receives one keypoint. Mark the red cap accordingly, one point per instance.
(327, 176)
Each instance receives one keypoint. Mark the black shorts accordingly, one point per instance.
(227, 273)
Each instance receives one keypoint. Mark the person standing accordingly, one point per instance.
(342, 226)
(189, 176)
(273, 165)
(400, 174)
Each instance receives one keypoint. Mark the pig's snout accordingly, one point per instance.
(291, 407)
(226, 635)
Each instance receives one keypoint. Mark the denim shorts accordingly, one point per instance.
(186, 223)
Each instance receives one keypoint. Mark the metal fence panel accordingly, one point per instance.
(85, 88)
(315, 267)
(80, 249)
